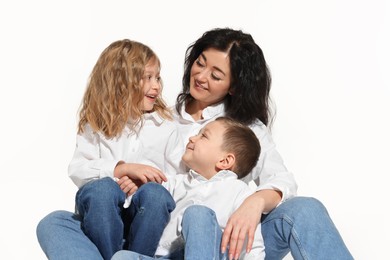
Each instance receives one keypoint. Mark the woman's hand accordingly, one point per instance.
(243, 222)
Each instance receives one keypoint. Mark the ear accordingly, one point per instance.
(227, 162)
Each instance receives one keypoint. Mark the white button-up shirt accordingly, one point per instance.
(270, 171)
(157, 143)
(223, 193)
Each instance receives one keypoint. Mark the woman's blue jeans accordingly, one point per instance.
(102, 226)
(202, 237)
(300, 225)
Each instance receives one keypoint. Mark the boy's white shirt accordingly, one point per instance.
(157, 143)
(223, 193)
(270, 171)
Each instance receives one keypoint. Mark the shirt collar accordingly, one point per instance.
(207, 113)
(221, 175)
(148, 118)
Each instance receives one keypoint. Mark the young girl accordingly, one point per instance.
(125, 139)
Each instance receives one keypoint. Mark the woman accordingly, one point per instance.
(226, 74)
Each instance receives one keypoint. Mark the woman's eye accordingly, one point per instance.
(199, 63)
(215, 77)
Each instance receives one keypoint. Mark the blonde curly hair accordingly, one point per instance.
(114, 94)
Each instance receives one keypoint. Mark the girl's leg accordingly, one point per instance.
(303, 226)
(99, 204)
(61, 237)
(202, 234)
(149, 211)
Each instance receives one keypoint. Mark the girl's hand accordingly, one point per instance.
(139, 172)
(128, 186)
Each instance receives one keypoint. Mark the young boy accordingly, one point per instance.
(222, 152)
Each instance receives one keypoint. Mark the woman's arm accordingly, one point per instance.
(245, 219)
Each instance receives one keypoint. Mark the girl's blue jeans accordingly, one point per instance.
(300, 225)
(102, 226)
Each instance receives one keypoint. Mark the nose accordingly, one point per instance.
(192, 139)
(156, 85)
(202, 75)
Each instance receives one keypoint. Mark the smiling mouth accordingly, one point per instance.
(153, 97)
(198, 85)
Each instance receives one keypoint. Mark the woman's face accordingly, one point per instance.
(210, 77)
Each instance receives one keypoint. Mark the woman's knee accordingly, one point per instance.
(298, 208)
(307, 206)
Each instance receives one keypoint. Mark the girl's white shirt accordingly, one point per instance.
(223, 193)
(157, 143)
(270, 171)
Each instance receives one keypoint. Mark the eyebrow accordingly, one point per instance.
(214, 67)
(207, 132)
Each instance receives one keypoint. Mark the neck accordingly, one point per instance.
(195, 109)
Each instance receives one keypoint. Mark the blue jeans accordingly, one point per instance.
(202, 237)
(302, 226)
(102, 226)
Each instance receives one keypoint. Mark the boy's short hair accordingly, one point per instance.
(242, 141)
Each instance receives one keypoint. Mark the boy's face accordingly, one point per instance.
(151, 85)
(203, 150)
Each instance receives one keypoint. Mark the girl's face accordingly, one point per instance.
(151, 83)
(210, 77)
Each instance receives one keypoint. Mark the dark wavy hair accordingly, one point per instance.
(250, 76)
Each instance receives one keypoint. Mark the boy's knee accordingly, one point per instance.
(198, 211)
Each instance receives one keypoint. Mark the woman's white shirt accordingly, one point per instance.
(157, 143)
(270, 171)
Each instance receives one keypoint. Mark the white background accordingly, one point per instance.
(330, 63)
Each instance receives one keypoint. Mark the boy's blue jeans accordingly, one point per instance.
(300, 225)
(201, 233)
